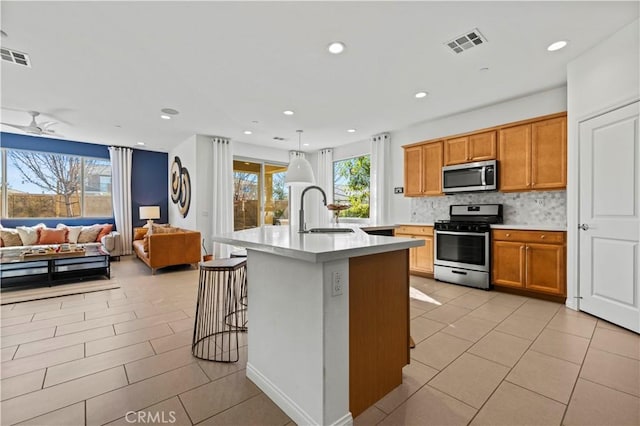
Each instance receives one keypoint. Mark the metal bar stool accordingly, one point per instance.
(242, 253)
(219, 315)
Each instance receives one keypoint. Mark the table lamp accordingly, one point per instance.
(149, 213)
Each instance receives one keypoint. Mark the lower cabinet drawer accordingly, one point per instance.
(414, 230)
(529, 236)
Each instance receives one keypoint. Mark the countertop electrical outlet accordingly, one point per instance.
(336, 283)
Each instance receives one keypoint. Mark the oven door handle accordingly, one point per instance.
(462, 233)
(483, 175)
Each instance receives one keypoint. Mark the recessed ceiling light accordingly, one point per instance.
(287, 112)
(165, 117)
(248, 132)
(170, 111)
(337, 47)
(557, 45)
(421, 95)
(140, 143)
(351, 130)
(305, 144)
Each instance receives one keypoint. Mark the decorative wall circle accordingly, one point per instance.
(176, 180)
(180, 186)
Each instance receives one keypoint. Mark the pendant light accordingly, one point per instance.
(299, 171)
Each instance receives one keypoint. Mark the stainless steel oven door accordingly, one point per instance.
(468, 250)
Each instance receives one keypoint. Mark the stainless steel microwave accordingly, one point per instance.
(470, 177)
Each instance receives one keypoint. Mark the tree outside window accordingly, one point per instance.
(43, 184)
(351, 185)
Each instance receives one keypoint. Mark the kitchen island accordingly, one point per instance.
(328, 319)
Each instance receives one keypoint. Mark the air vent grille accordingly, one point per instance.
(15, 57)
(466, 41)
(278, 138)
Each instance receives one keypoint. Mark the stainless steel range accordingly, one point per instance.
(463, 244)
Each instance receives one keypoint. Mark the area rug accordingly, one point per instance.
(8, 295)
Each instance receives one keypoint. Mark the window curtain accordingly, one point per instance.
(121, 194)
(325, 181)
(379, 199)
(221, 186)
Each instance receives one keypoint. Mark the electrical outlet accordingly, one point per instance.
(398, 190)
(336, 283)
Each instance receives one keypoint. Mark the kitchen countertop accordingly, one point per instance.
(315, 248)
(376, 227)
(535, 227)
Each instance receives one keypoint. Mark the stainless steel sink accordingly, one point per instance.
(329, 230)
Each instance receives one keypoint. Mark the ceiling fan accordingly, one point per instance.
(36, 128)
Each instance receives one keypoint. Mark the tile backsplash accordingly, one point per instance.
(519, 208)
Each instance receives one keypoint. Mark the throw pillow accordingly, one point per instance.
(74, 232)
(88, 234)
(10, 237)
(165, 230)
(139, 233)
(29, 234)
(155, 226)
(106, 230)
(52, 236)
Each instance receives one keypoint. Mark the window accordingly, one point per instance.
(42, 184)
(351, 185)
(260, 195)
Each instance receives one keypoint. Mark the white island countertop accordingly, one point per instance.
(315, 248)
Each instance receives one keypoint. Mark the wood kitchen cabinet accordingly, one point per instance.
(423, 169)
(533, 156)
(534, 261)
(420, 258)
(466, 149)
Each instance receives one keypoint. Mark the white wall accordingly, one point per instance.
(603, 78)
(187, 153)
(541, 103)
(355, 149)
(257, 152)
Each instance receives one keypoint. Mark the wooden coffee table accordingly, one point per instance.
(52, 268)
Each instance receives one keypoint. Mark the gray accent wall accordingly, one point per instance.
(520, 208)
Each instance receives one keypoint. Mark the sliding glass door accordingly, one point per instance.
(260, 195)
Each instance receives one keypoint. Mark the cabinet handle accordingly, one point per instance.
(508, 235)
(527, 248)
(542, 237)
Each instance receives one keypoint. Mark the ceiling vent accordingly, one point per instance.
(15, 57)
(466, 41)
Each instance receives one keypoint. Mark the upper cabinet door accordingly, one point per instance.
(549, 154)
(482, 146)
(413, 171)
(514, 153)
(432, 168)
(456, 151)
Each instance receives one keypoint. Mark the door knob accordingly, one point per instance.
(583, 226)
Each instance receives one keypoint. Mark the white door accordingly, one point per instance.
(610, 216)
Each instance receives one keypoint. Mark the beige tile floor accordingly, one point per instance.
(482, 358)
